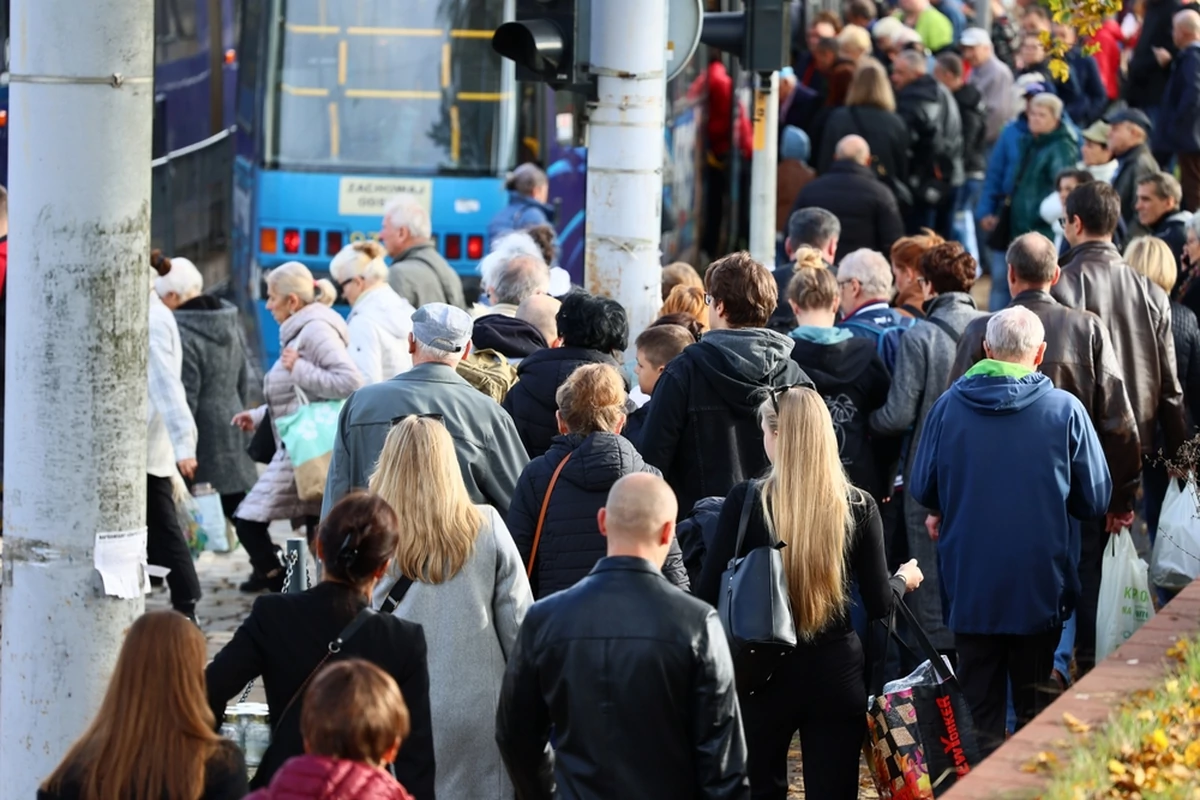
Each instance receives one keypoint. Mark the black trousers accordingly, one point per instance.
(1093, 539)
(986, 664)
(254, 536)
(820, 692)
(167, 547)
(230, 503)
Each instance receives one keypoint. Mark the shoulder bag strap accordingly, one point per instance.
(396, 595)
(916, 312)
(334, 648)
(946, 327)
(744, 521)
(537, 532)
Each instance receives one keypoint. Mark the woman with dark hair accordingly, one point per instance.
(593, 330)
(288, 637)
(926, 354)
(582, 463)
(154, 735)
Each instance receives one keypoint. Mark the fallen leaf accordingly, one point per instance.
(1116, 767)
(1074, 724)
(1159, 740)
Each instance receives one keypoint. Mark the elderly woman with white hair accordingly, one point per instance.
(380, 320)
(216, 379)
(1052, 148)
(315, 361)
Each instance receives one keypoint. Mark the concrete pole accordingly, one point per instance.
(78, 288)
(983, 15)
(625, 156)
(763, 168)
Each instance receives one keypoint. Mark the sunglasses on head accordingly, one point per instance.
(779, 391)
(433, 415)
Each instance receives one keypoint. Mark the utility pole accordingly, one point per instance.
(764, 168)
(75, 439)
(983, 15)
(625, 156)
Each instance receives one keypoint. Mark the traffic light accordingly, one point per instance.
(759, 37)
(548, 41)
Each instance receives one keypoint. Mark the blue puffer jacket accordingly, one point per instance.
(571, 542)
(1008, 560)
(520, 213)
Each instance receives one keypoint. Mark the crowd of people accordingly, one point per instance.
(527, 517)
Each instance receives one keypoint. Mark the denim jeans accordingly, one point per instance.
(965, 227)
(999, 297)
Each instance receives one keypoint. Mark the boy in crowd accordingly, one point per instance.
(656, 346)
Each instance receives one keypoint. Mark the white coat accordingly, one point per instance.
(379, 326)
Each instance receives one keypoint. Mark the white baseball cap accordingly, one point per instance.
(975, 37)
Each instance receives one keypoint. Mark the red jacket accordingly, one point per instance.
(1108, 57)
(720, 109)
(321, 778)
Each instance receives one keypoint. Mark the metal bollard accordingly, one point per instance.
(298, 548)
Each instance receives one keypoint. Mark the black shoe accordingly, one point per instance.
(258, 582)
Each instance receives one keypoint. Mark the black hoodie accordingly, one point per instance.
(851, 377)
(702, 429)
(510, 337)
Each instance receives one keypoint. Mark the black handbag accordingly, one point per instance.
(754, 607)
(262, 445)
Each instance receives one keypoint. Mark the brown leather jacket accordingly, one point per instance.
(1080, 360)
(1138, 315)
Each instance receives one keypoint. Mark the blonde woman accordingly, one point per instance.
(467, 589)
(380, 320)
(870, 112)
(833, 532)
(315, 360)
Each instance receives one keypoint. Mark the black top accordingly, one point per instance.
(866, 208)
(224, 778)
(636, 680)
(286, 636)
(865, 559)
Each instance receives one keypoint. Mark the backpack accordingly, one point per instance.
(489, 372)
(887, 337)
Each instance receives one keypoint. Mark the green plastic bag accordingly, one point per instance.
(308, 436)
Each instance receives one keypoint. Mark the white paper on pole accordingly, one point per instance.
(120, 558)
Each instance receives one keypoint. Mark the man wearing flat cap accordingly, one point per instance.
(1128, 138)
(489, 451)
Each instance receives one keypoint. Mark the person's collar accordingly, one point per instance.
(1158, 223)
(991, 368)
(1042, 295)
(869, 307)
(432, 371)
(414, 246)
(625, 564)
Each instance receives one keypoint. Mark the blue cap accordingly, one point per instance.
(1132, 115)
(795, 146)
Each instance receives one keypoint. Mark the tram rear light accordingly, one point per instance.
(333, 242)
(312, 243)
(268, 240)
(475, 247)
(453, 247)
(291, 241)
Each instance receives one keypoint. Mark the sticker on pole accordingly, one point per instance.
(761, 98)
(120, 558)
(685, 18)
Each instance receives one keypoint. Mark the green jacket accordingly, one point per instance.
(1041, 160)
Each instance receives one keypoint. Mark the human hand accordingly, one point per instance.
(1162, 55)
(988, 223)
(1115, 523)
(243, 420)
(187, 468)
(289, 357)
(933, 524)
(912, 575)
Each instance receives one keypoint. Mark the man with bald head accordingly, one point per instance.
(852, 192)
(633, 675)
(1178, 128)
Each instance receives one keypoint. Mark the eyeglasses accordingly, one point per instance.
(922, 280)
(848, 280)
(708, 299)
(342, 285)
(779, 391)
(433, 415)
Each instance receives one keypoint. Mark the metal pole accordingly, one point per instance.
(299, 547)
(763, 168)
(625, 156)
(75, 438)
(983, 15)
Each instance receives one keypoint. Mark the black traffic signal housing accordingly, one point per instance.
(760, 36)
(547, 40)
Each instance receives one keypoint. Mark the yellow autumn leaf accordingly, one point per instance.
(1159, 740)
(1116, 767)
(1075, 724)
(1191, 755)
(1059, 69)
(1145, 715)
(1172, 685)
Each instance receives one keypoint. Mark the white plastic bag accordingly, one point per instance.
(1125, 602)
(1175, 562)
(212, 518)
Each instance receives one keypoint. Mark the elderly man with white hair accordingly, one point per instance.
(419, 274)
(865, 289)
(1004, 462)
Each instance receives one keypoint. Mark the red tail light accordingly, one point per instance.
(474, 247)
(453, 247)
(333, 243)
(312, 243)
(291, 241)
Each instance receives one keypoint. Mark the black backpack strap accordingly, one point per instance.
(916, 312)
(396, 595)
(946, 327)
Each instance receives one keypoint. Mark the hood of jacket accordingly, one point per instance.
(1176, 219)
(516, 199)
(991, 388)
(1133, 154)
(1063, 133)
(545, 370)
(313, 312)
(509, 336)
(922, 90)
(213, 320)
(598, 460)
(312, 777)
(818, 334)
(829, 363)
(738, 363)
(386, 310)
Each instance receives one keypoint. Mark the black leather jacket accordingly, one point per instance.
(1138, 314)
(931, 114)
(636, 679)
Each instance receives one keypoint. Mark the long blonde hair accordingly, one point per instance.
(418, 475)
(806, 501)
(154, 732)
